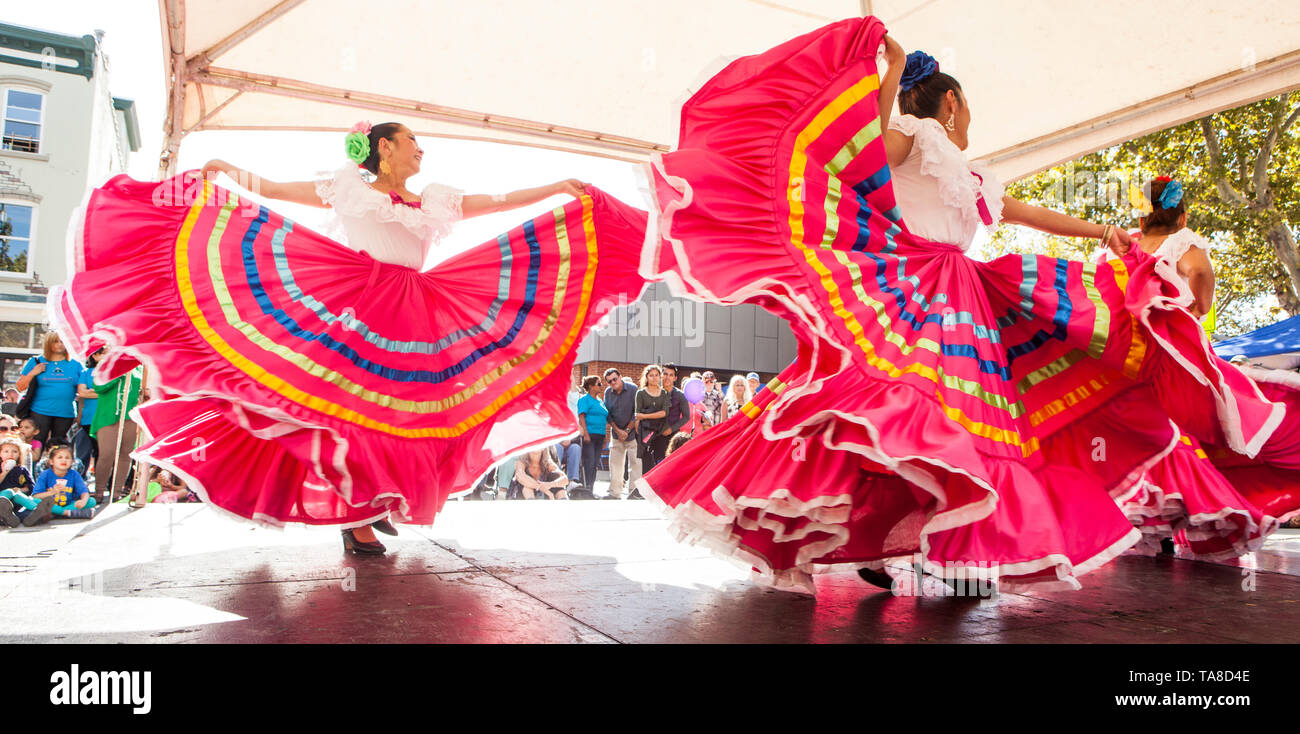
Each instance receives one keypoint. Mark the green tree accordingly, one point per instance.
(6, 231)
(1240, 170)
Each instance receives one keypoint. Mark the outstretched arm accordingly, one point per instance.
(1046, 220)
(297, 192)
(476, 205)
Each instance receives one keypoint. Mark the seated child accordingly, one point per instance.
(173, 489)
(16, 505)
(71, 495)
(678, 440)
(44, 463)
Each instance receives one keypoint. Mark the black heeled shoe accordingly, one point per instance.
(360, 547)
(384, 526)
(876, 578)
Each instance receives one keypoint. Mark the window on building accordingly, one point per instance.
(23, 113)
(15, 236)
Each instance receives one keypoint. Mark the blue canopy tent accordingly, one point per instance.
(1276, 345)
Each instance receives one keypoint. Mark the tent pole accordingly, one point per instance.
(140, 492)
(173, 15)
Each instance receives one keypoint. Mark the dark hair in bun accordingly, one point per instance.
(387, 130)
(1161, 218)
(925, 98)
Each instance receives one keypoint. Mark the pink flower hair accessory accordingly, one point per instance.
(362, 127)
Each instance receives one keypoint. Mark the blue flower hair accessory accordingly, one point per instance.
(1172, 194)
(919, 67)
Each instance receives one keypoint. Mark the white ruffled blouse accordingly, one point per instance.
(1176, 245)
(389, 232)
(934, 187)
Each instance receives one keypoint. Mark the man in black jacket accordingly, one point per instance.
(679, 410)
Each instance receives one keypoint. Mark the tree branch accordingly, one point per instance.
(1263, 194)
(1217, 168)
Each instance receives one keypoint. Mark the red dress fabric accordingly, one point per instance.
(988, 419)
(302, 381)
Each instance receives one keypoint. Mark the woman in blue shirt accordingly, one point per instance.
(592, 416)
(56, 376)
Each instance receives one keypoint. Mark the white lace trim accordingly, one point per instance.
(943, 161)
(1177, 244)
(351, 196)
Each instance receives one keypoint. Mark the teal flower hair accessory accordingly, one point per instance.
(1172, 194)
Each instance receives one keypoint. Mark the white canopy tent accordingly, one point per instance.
(1047, 81)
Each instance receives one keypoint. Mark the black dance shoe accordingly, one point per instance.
(362, 548)
(877, 578)
(384, 526)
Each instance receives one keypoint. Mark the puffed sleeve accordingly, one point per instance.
(344, 190)
(443, 204)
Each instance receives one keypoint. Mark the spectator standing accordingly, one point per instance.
(592, 419)
(738, 393)
(755, 384)
(712, 400)
(679, 408)
(652, 404)
(55, 376)
(115, 431)
(620, 401)
(85, 447)
(570, 452)
(10, 404)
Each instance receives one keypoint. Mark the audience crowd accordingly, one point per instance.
(625, 427)
(65, 441)
(53, 422)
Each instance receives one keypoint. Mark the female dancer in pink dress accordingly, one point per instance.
(985, 419)
(302, 380)
(1184, 494)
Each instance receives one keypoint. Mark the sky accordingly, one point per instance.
(133, 44)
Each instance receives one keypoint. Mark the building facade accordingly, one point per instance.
(61, 134)
(660, 328)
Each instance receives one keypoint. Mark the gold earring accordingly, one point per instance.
(385, 169)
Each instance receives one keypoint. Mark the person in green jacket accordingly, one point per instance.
(115, 431)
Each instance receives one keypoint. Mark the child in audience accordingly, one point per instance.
(173, 489)
(678, 440)
(17, 507)
(44, 463)
(71, 495)
(27, 430)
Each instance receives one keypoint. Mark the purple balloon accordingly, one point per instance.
(694, 389)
